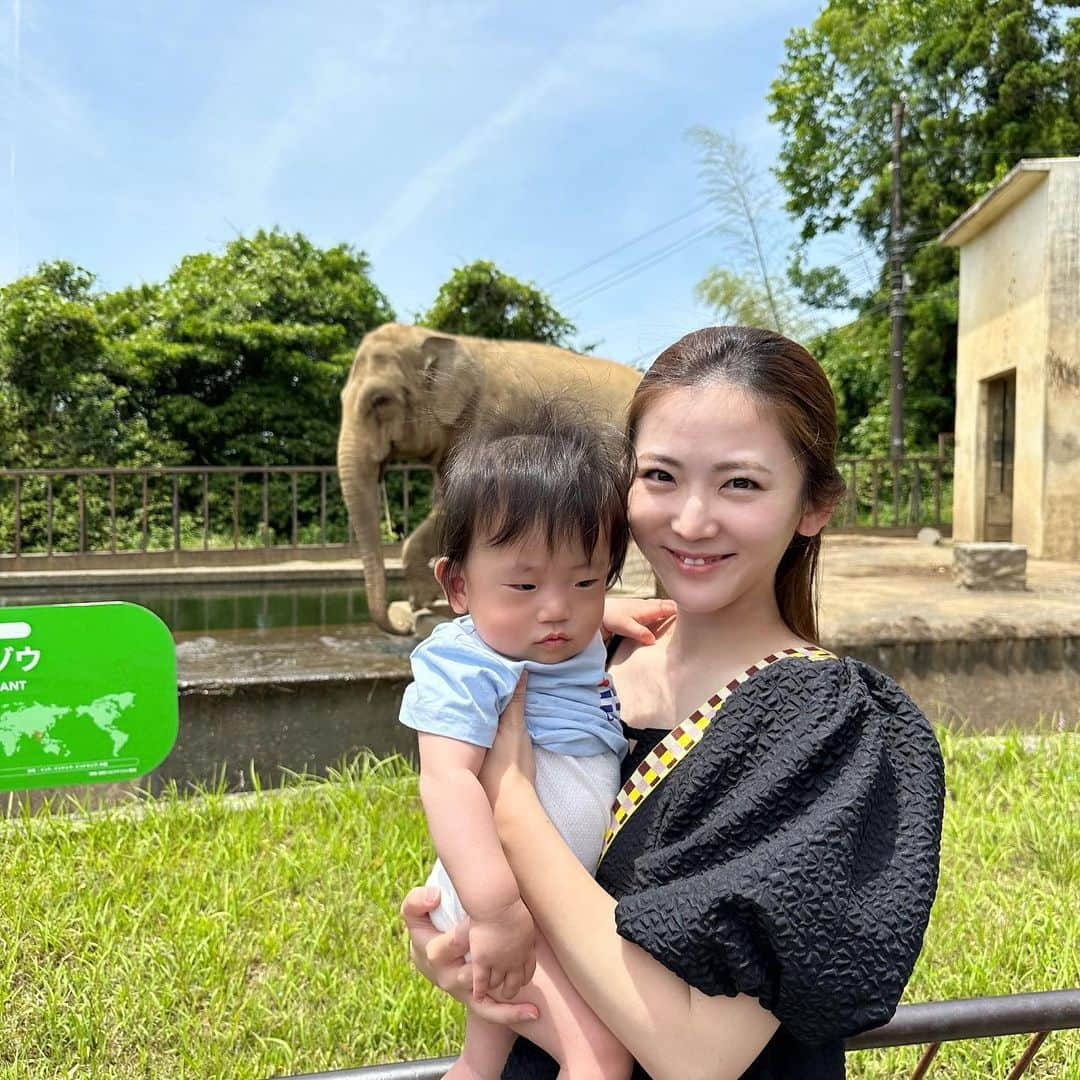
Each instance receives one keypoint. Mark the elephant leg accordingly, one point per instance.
(416, 556)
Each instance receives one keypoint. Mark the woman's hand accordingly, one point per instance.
(509, 769)
(635, 619)
(440, 958)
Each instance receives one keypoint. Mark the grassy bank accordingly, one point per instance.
(256, 937)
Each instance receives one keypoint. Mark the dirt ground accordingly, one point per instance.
(880, 588)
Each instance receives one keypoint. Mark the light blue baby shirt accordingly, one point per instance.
(461, 685)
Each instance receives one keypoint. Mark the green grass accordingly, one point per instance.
(223, 937)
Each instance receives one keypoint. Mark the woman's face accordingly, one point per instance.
(717, 498)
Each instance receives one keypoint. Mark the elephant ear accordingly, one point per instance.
(452, 375)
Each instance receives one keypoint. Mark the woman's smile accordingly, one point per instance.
(697, 563)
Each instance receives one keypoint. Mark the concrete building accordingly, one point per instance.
(1017, 474)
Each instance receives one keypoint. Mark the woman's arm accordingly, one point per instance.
(672, 1029)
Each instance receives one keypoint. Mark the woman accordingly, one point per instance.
(773, 859)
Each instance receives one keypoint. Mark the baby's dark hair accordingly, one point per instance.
(551, 471)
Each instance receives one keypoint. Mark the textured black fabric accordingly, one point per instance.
(792, 856)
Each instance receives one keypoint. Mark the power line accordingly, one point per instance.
(626, 244)
(635, 268)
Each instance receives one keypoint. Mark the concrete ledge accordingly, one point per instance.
(277, 723)
(336, 571)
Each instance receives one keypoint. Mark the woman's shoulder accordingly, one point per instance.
(820, 681)
(830, 704)
(795, 857)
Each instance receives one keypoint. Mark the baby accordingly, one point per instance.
(533, 531)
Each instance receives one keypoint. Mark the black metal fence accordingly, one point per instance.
(59, 512)
(63, 512)
(895, 496)
(934, 1023)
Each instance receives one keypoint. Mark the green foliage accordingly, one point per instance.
(740, 298)
(986, 82)
(65, 396)
(748, 290)
(245, 353)
(482, 301)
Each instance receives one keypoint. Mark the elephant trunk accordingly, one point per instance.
(360, 486)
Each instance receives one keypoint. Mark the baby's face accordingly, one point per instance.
(529, 603)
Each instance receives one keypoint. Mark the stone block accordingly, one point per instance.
(990, 565)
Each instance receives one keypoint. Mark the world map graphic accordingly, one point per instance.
(58, 731)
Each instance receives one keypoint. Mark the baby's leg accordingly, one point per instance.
(484, 1051)
(567, 1028)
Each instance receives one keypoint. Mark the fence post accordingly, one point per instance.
(205, 511)
(916, 493)
(236, 511)
(295, 533)
(48, 515)
(18, 515)
(322, 509)
(266, 508)
(81, 487)
(176, 511)
(145, 513)
(112, 512)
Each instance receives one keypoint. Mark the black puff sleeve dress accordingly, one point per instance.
(792, 855)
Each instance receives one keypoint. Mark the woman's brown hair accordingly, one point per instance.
(785, 377)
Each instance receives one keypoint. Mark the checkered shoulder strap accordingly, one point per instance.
(674, 746)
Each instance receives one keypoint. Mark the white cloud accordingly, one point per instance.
(253, 167)
(42, 101)
(423, 189)
(620, 43)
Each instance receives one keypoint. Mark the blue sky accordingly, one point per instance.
(425, 133)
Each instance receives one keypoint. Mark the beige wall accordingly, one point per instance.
(1003, 325)
(1061, 503)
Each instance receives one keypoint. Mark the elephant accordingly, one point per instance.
(411, 393)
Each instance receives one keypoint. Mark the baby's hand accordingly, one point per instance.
(635, 619)
(503, 948)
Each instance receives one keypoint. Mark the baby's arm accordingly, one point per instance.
(501, 935)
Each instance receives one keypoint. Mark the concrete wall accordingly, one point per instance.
(1003, 326)
(233, 727)
(1061, 502)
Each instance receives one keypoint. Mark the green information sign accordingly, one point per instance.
(87, 694)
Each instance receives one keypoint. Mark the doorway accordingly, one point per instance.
(1000, 432)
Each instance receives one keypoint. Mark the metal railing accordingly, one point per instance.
(884, 495)
(98, 511)
(933, 1022)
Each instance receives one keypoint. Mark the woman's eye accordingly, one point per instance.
(742, 483)
(587, 583)
(520, 586)
(661, 475)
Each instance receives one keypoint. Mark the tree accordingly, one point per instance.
(244, 353)
(482, 301)
(66, 399)
(986, 82)
(749, 290)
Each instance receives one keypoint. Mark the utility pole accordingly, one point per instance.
(896, 310)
